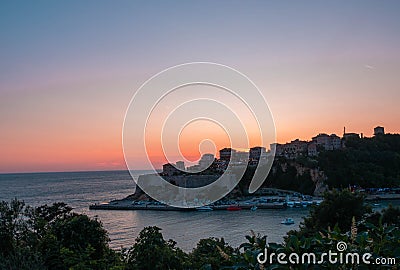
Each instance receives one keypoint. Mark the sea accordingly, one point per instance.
(81, 189)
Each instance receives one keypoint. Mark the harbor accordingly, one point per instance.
(266, 202)
(230, 205)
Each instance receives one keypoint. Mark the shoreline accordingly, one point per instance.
(382, 197)
(109, 206)
(124, 204)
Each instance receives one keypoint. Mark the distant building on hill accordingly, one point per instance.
(298, 148)
(328, 142)
(290, 150)
(349, 135)
(206, 161)
(379, 131)
(180, 165)
(240, 157)
(312, 149)
(256, 153)
(226, 154)
(170, 169)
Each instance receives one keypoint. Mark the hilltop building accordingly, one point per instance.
(206, 161)
(240, 157)
(298, 148)
(226, 153)
(180, 165)
(328, 142)
(379, 131)
(170, 169)
(349, 135)
(258, 152)
(312, 149)
(290, 150)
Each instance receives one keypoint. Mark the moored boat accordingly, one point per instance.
(234, 208)
(288, 221)
(290, 204)
(204, 208)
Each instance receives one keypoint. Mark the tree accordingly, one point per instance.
(151, 251)
(52, 237)
(15, 236)
(337, 209)
(367, 162)
(12, 226)
(77, 241)
(210, 253)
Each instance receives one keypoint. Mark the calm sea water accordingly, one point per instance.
(80, 189)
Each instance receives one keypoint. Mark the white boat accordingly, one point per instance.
(253, 208)
(204, 208)
(290, 204)
(288, 221)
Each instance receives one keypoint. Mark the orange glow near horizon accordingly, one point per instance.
(74, 145)
(36, 156)
(68, 74)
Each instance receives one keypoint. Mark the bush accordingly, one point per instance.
(151, 251)
(210, 253)
(52, 237)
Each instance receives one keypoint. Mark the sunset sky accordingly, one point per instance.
(68, 70)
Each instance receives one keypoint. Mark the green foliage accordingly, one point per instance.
(52, 237)
(381, 241)
(287, 178)
(210, 253)
(368, 162)
(12, 226)
(389, 216)
(151, 251)
(21, 259)
(337, 209)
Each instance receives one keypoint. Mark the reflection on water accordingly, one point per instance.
(187, 228)
(80, 189)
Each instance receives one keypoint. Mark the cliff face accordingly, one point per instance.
(318, 177)
(292, 175)
(166, 189)
(285, 174)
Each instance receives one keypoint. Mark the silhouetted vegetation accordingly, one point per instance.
(290, 179)
(336, 210)
(53, 237)
(151, 251)
(283, 175)
(367, 162)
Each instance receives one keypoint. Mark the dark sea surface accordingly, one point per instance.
(81, 189)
